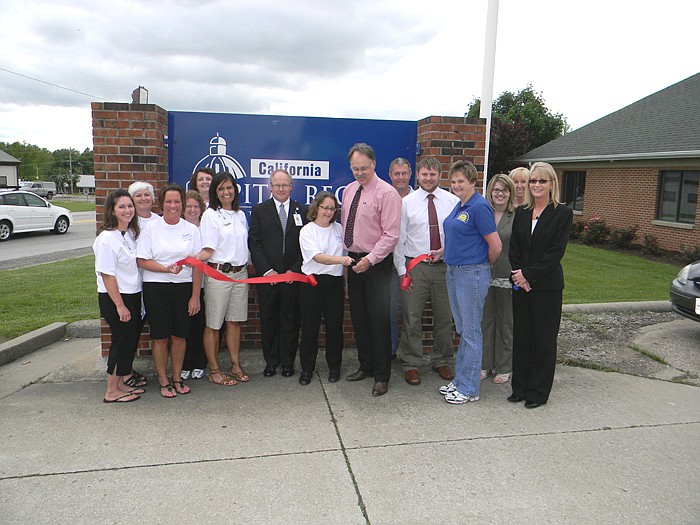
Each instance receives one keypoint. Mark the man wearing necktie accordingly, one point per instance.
(370, 217)
(273, 241)
(422, 214)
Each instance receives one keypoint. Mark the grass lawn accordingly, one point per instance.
(33, 297)
(66, 290)
(75, 205)
(594, 275)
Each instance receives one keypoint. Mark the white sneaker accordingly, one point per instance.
(484, 374)
(185, 374)
(197, 373)
(456, 398)
(449, 387)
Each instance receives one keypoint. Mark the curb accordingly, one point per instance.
(594, 308)
(26, 344)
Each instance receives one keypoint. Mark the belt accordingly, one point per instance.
(226, 267)
(357, 255)
(426, 260)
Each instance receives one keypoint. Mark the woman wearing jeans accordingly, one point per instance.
(472, 244)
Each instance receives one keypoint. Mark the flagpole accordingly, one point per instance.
(487, 78)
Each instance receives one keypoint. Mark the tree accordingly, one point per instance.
(35, 161)
(520, 122)
(41, 164)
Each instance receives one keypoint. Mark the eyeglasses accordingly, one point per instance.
(538, 181)
(502, 192)
(327, 208)
(280, 186)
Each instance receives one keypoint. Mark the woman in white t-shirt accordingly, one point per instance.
(170, 292)
(224, 231)
(322, 249)
(119, 291)
(195, 358)
(144, 196)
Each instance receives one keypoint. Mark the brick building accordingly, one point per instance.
(637, 166)
(129, 145)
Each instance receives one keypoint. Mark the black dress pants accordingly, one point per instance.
(279, 322)
(369, 298)
(325, 299)
(125, 336)
(536, 318)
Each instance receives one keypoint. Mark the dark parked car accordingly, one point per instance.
(685, 292)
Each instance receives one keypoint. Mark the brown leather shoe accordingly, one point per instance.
(445, 372)
(380, 388)
(356, 376)
(412, 377)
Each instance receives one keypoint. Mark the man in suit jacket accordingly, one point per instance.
(273, 241)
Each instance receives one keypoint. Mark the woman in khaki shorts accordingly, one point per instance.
(224, 230)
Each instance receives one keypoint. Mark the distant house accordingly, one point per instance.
(86, 184)
(639, 165)
(8, 170)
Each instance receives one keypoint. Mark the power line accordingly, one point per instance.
(50, 84)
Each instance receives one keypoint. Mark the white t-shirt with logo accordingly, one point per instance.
(115, 255)
(166, 244)
(314, 239)
(225, 232)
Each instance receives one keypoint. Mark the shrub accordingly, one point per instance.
(576, 229)
(651, 245)
(623, 237)
(595, 232)
(690, 255)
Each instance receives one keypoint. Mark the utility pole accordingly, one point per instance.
(70, 168)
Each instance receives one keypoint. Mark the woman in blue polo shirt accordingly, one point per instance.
(471, 246)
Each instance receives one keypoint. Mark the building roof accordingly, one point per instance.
(663, 125)
(6, 158)
(86, 181)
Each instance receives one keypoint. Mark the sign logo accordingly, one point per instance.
(219, 160)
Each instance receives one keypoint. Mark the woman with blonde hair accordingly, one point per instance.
(519, 176)
(497, 323)
(537, 245)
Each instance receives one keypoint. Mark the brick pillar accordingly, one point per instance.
(129, 145)
(450, 139)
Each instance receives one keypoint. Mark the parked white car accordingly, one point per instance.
(22, 211)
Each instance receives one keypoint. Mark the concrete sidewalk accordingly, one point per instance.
(607, 448)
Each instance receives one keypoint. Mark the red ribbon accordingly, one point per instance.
(406, 281)
(279, 278)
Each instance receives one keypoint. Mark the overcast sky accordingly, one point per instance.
(383, 59)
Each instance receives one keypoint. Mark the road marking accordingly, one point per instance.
(85, 220)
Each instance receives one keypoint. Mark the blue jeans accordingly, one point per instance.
(467, 287)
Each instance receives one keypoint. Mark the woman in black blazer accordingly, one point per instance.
(537, 244)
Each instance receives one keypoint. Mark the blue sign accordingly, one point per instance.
(312, 149)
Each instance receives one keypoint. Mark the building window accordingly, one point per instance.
(678, 196)
(574, 187)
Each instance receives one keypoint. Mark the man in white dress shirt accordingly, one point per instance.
(422, 213)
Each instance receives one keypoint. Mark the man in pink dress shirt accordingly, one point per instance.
(371, 223)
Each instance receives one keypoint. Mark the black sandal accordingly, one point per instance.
(136, 380)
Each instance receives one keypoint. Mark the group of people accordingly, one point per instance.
(489, 264)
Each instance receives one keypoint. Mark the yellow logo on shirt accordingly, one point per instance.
(464, 216)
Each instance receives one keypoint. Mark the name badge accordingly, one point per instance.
(186, 236)
(297, 219)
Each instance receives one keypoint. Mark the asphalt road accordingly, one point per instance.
(27, 249)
